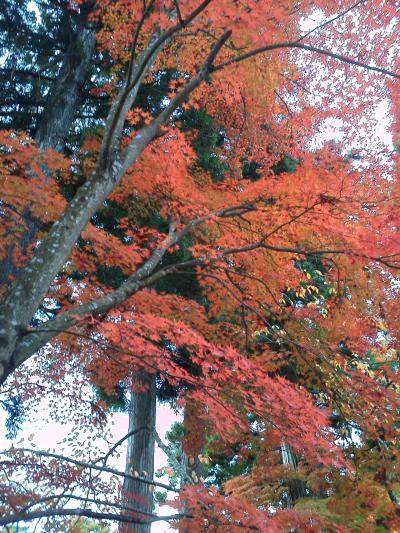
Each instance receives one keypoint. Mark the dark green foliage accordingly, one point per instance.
(315, 270)
(68, 190)
(108, 218)
(146, 215)
(32, 49)
(344, 349)
(110, 276)
(167, 393)
(117, 401)
(226, 464)
(221, 465)
(78, 275)
(270, 334)
(208, 135)
(15, 415)
(34, 38)
(151, 96)
(311, 263)
(185, 284)
(205, 143)
(286, 164)
(174, 438)
(250, 170)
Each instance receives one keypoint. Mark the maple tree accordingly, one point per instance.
(209, 167)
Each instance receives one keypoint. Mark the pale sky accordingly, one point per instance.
(46, 435)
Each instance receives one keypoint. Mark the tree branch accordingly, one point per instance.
(51, 253)
(128, 519)
(28, 73)
(327, 22)
(124, 102)
(103, 460)
(143, 277)
(67, 496)
(91, 466)
(178, 467)
(307, 47)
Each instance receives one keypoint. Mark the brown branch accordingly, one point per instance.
(307, 47)
(67, 496)
(327, 22)
(118, 443)
(33, 340)
(28, 73)
(142, 68)
(145, 12)
(91, 466)
(128, 519)
(178, 11)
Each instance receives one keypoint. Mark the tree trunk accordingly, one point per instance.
(53, 250)
(56, 121)
(296, 487)
(140, 453)
(192, 446)
(64, 98)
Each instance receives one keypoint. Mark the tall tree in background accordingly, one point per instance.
(42, 78)
(273, 322)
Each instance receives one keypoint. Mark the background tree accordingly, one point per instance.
(250, 223)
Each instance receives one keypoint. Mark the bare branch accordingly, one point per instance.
(67, 496)
(330, 21)
(129, 519)
(85, 465)
(178, 11)
(178, 467)
(118, 443)
(309, 48)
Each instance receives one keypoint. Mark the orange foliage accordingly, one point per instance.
(331, 205)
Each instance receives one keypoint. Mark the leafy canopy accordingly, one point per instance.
(212, 166)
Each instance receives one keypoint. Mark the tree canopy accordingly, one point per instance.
(197, 192)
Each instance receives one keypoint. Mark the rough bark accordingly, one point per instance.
(296, 487)
(65, 96)
(140, 453)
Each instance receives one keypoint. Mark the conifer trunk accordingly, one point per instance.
(65, 96)
(296, 487)
(56, 119)
(140, 453)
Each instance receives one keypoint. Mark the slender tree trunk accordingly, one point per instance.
(296, 487)
(140, 453)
